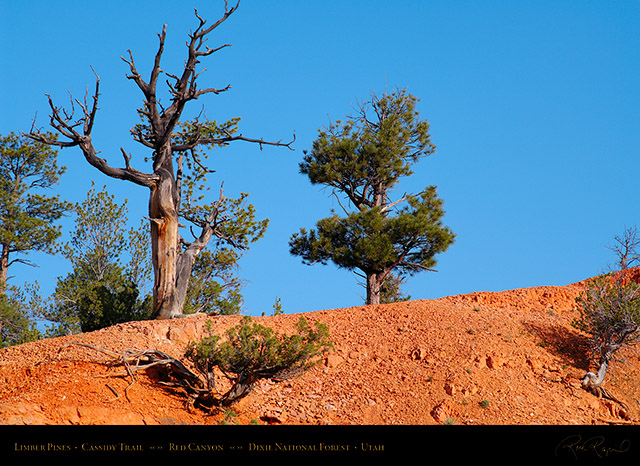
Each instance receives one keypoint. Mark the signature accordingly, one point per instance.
(576, 445)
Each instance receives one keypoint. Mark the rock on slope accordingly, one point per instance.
(484, 358)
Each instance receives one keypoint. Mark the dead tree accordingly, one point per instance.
(626, 248)
(165, 135)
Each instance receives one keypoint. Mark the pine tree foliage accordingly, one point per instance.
(363, 160)
(103, 288)
(112, 273)
(28, 216)
(250, 352)
(214, 287)
(17, 324)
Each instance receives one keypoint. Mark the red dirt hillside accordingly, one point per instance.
(508, 357)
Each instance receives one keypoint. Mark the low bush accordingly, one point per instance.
(251, 352)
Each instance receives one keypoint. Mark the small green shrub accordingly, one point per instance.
(229, 418)
(277, 308)
(484, 404)
(252, 352)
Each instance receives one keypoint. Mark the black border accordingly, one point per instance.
(568, 444)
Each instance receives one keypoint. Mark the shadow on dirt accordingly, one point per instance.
(571, 346)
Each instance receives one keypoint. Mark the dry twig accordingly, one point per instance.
(135, 360)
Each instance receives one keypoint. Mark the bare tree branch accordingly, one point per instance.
(261, 142)
(161, 132)
(62, 121)
(626, 248)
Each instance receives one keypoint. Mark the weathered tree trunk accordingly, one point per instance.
(165, 248)
(240, 389)
(374, 279)
(4, 267)
(591, 382)
(373, 288)
(172, 265)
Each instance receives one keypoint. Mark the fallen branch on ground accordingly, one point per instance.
(176, 374)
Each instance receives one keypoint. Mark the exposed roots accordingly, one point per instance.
(591, 384)
(176, 375)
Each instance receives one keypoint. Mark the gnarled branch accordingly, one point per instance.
(63, 121)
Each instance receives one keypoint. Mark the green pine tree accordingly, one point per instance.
(214, 287)
(363, 160)
(27, 216)
(17, 323)
(102, 289)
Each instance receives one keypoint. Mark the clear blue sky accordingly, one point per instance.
(534, 108)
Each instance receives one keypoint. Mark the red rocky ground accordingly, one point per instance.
(509, 357)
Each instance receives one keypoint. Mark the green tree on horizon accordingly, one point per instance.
(102, 289)
(28, 216)
(363, 159)
(111, 273)
(18, 324)
(214, 287)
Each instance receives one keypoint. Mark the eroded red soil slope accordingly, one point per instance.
(508, 357)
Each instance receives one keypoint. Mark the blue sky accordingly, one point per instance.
(533, 107)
